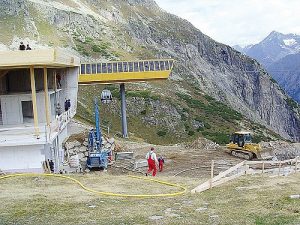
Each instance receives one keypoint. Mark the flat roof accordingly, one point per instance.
(51, 58)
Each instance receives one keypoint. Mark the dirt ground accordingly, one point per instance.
(179, 159)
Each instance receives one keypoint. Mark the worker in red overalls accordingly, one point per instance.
(152, 161)
(161, 162)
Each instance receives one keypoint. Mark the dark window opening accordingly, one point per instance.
(167, 65)
(136, 67)
(88, 68)
(109, 68)
(156, 63)
(27, 111)
(130, 66)
(93, 68)
(141, 64)
(120, 68)
(146, 66)
(152, 66)
(104, 68)
(125, 67)
(162, 65)
(82, 69)
(115, 69)
(98, 68)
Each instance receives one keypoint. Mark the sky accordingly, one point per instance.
(240, 22)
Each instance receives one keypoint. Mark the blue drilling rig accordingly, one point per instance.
(98, 155)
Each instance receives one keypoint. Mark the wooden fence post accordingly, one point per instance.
(211, 174)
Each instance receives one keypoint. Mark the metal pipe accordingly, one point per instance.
(123, 111)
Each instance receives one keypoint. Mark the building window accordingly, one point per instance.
(167, 65)
(136, 66)
(151, 65)
(115, 68)
(125, 67)
(120, 67)
(156, 64)
(141, 64)
(146, 64)
(162, 65)
(82, 69)
(109, 68)
(130, 66)
(88, 68)
(104, 68)
(93, 68)
(99, 68)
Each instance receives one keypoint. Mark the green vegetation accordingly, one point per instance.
(213, 107)
(218, 137)
(142, 94)
(161, 133)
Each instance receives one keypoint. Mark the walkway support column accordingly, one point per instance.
(46, 96)
(123, 111)
(34, 105)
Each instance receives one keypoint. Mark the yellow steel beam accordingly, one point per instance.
(46, 96)
(34, 105)
(123, 77)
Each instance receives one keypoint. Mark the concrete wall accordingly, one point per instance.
(11, 106)
(25, 158)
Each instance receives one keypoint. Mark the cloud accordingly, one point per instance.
(238, 21)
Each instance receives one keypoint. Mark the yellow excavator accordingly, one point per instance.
(241, 146)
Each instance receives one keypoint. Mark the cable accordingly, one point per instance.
(183, 189)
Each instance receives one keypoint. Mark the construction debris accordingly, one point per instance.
(283, 150)
(123, 155)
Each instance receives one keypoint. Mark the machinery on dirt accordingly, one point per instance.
(98, 156)
(241, 146)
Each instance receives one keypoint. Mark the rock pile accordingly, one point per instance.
(202, 143)
(76, 151)
(282, 150)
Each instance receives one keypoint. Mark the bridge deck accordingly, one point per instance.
(122, 72)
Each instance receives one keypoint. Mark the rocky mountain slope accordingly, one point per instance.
(273, 48)
(286, 72)
(213, 89)
(279, 53)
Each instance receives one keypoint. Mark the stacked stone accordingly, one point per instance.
(76, 149)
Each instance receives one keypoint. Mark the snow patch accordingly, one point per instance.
(290, 42)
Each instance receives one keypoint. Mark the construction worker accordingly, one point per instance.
(161, 162)
(152, 161)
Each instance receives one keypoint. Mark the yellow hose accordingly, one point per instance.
(183, 189)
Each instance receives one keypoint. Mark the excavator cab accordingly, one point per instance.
(241, 146)
(240, 138)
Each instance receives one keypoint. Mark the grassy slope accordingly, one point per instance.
(249, 200)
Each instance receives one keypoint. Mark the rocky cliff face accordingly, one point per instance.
(139, 29)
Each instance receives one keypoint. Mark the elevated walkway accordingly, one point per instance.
(125, 71)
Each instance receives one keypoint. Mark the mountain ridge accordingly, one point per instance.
(139, 30)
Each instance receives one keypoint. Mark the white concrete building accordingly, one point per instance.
(34, 86)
